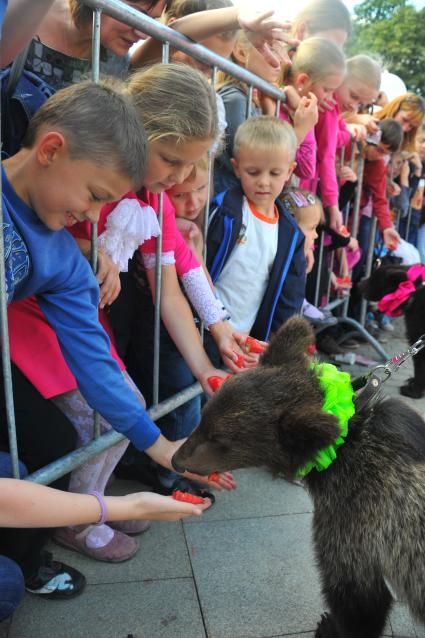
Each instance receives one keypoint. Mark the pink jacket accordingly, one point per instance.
(34, 347)
(306, 156)
(331, 133)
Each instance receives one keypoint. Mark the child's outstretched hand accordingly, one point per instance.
(218, 373)
(151, 506)
(252, 349)
(231, 351)
(347, 174)
(391, 238)
(358, 132)
(108, 277)
(268, 35)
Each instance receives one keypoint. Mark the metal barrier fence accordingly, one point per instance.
(167, 36)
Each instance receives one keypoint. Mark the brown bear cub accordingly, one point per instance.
(385, 280)
(369, 519)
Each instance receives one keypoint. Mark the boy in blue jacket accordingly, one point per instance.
(255, 251)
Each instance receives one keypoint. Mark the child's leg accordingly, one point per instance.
(105, 543)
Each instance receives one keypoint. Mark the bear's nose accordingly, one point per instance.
(178, 468)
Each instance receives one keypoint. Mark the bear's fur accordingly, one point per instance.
(385, 280)
(369, 519)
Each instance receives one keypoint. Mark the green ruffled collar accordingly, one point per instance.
(338, 401)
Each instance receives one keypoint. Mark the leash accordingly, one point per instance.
(369, 386)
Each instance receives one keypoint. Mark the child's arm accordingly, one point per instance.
(326, 137)
(178, 319)
(260, 29)
(375, 181)
(26, 504)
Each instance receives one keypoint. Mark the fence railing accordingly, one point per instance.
(168, 37)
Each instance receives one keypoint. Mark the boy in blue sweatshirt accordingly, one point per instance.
(255, 251)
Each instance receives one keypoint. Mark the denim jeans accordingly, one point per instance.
(174, 376)
(12, 586)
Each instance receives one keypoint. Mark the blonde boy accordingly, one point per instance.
(255, 248)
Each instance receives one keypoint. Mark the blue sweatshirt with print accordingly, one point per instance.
(49, 264)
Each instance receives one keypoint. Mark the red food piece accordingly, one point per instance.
(253, 345)
(215, 476)
(343, 280)
(186, 497)
(393, 246)
(216, 382)
(311, 349)
(344, 231)
(240, 360)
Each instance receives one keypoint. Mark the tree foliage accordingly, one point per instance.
(394, 30)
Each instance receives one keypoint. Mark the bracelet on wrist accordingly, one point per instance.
(103, 511)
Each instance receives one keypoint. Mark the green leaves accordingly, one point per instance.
(394, 30)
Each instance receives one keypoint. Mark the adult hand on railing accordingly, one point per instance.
(267, 35)
(391, 238)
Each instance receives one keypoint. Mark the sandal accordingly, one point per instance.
(119, 549)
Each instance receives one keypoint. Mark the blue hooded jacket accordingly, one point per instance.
(285, 291)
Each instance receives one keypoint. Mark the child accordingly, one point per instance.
(328, 19)
(255, 249)
(373, 198)
(308, 213)
(409, 111)
(49, 174)
(189, 199)
(317, 69)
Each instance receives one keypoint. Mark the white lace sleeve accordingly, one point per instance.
(209, 308)
(149, 259)
(127, 227)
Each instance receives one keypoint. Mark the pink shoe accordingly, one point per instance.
(130, 527)
(119, 549)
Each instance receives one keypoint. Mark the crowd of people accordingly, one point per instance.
(104, 153)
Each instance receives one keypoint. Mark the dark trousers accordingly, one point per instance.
(44, 434)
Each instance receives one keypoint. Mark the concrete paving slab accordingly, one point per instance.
(403, 625)
(256, 577)
(258, 494)
(164, 541)
(161, 609)
(4, 628)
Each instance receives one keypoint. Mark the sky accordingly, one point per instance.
(288, 10)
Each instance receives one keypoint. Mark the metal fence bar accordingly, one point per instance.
(5, 353)
(95, 70)
(249, 102)
(368, 269)
(158, 278)
(83, 454)
(161, 32)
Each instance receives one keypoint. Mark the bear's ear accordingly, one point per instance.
(289, 344)
(302, 435)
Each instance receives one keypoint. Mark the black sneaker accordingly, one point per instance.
(55, 580)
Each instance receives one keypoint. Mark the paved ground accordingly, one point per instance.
(245, 570)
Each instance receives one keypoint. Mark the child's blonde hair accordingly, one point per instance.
(266, 133)
(174, 101)
(317, 58)
(322, 15)
(223, 78)
(412, 104)
(366, 70)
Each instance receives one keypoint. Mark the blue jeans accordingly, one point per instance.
(174, 376)
(12, 586)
